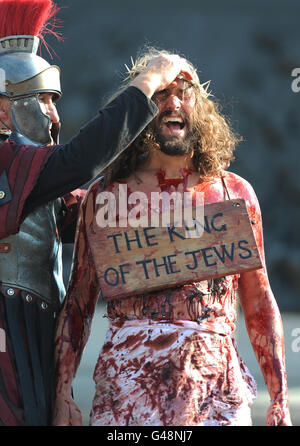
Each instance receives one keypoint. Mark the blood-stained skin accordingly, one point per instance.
(169, 357)
(165, 184)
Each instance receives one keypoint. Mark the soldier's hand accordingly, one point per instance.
(161, 71)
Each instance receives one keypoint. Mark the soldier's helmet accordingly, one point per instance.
(23, 74)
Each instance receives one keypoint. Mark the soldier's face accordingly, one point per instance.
(48, 107)
(47, 104)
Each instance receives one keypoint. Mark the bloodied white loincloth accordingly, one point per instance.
(163, 371)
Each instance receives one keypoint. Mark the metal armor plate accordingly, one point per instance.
(33, 262)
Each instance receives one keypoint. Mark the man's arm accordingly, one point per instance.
(264, 325)
(36, 175)
(96, 145)
(107, 135)
(74, 321)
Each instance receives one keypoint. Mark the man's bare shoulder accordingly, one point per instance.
(238, 187)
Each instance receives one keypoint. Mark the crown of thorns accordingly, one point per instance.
(139, 65)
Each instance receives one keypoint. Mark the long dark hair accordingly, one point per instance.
(215, 144)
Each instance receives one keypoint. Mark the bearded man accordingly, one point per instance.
(169, 358)
(34, 173)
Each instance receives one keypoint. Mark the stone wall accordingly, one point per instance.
(248, 50)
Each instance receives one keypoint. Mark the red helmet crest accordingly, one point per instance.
(28, 17)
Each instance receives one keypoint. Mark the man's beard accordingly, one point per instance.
(174, 145)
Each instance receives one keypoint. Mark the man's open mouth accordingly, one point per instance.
(174, 124)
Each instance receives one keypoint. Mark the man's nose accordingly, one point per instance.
(173, 102)
(51, 111)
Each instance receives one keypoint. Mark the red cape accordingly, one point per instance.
(22, 166)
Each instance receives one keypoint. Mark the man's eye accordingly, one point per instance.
(160, 95)
(187, 92)
(42, 100)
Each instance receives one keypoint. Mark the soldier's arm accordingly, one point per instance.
(106, 136)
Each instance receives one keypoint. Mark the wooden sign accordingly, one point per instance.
(137, 260)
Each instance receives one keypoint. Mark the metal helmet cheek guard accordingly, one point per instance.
(30, 121)
(24, 76)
